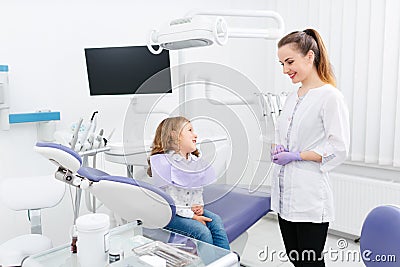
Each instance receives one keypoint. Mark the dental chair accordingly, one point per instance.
(380, 237)
(28, 194)
(130, 199)
(136, 200)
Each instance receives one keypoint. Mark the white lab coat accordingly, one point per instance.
(300, 190)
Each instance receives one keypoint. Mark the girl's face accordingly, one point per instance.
(295, 64)
(187, 139)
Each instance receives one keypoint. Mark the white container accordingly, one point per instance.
(93, 243)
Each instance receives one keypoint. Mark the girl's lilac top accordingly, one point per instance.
(173, 169)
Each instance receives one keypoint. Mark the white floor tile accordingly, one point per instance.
(266, 233)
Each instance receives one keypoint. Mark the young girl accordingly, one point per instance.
(174, 160)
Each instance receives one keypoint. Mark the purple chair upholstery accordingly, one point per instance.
(380, 237)
(92, 173)
(60, 147)
(238, 208)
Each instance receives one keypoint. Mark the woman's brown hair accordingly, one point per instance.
(167, 137)
(307, 40)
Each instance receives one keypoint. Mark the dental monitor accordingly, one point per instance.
(123, 70)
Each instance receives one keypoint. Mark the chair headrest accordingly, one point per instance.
(60, 155)
(380, 235)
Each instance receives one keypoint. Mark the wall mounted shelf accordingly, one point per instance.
(34, 117)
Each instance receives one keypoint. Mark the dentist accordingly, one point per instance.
(312, 138)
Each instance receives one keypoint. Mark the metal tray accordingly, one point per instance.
(174, 257)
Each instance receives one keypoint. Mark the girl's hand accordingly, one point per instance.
(201, 219)
(198, 210)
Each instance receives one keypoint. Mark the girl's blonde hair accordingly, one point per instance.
(307, 40)
(167, 137)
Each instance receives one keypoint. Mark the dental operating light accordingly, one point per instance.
(204, 28)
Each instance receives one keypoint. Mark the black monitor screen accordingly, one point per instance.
(122, 70)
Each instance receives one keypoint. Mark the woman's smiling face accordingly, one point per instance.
(295, 64)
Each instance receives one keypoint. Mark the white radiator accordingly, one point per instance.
(355, 197)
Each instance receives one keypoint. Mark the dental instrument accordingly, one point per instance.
(93, 120)
(83, 140)
(281, 99)
(106, 140)
(90, 142)
(74, 139)
(98, 142)
(273, 105)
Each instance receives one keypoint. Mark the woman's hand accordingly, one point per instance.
(198, 210)
(277, 149)
(201, 219)
(284, 158)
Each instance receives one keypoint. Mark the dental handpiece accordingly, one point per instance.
(76, 133)
(89, 131)
(93, 122)
(273, 106)
(106, 140)
(99, 139)
(281, 100)
(90, 143)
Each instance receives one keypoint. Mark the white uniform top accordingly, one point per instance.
(319, 122)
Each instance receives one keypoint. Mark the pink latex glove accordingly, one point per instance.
(284, 158)
(278, 149)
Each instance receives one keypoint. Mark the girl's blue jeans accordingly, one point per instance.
(213, 232)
